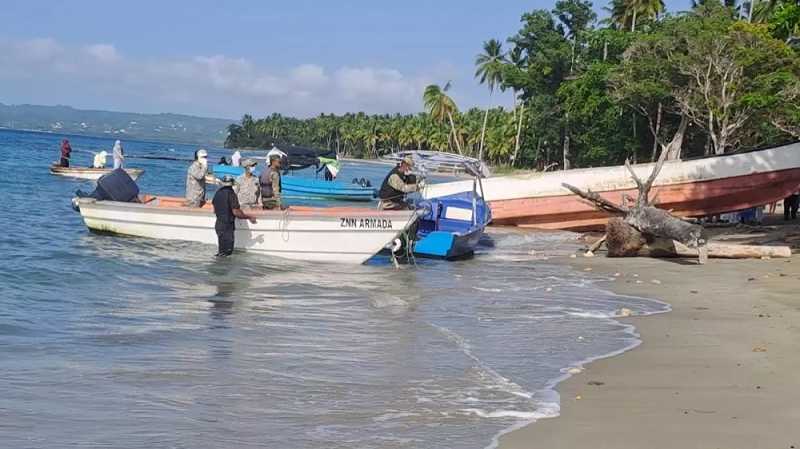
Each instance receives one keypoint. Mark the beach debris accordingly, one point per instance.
(532, 252)
(751, 279)
(589, 254)
(578, 398)
(625, 312)
(693, 291)
(759, 349)
(549, 289)
(580, 337)
(594, 382)
(655, 281)
(574, 370)
(783, 275)
(640, 282)
(573, 256)
(636, 275)
(765, 257)
(616, 275)
(587, 270)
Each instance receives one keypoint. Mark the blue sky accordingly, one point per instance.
(222, 59)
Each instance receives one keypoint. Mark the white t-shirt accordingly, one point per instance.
(235, 159)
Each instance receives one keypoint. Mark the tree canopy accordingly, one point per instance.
(704, 81)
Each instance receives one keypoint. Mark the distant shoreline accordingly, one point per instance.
(122, 137)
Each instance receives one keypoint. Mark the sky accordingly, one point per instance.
(224, 59)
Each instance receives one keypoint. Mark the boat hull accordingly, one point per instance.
(692, 188)
(448, 245)
(308, 188)
(337, 234)
(92, 174)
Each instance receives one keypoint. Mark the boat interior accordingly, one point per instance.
(166, 202)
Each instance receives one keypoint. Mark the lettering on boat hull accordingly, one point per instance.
(366, 223)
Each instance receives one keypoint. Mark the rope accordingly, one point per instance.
(283, 225)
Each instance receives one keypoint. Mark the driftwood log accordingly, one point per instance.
(641, 229)
(623, 240)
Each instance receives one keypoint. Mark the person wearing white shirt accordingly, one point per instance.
(235, 159)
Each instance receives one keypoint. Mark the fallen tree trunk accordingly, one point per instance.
(623, 240)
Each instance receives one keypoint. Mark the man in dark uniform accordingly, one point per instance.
(227, 210)
(397, 184)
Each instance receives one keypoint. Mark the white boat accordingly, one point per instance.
(92, 174)
(325, 234)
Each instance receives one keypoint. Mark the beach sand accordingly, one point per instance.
(721, 370)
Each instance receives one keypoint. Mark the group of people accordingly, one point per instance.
(99, 158)
(246, 192)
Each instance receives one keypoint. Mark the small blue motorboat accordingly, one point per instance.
(452, 226)
(299, 187)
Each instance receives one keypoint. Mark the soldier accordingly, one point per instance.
(196, 180)
(227, 210)
(397, 183)
(270, 181)
(247, 187)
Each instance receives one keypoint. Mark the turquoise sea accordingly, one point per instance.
(131, 343)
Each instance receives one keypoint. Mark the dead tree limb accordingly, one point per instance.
(598, 201)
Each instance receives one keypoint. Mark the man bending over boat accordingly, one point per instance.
(270, 181)
(196, 180)
(100, 160)
(397, 184)
(247, 187)
(227, 210)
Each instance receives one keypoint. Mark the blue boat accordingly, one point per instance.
(452, 226)
(309, 188)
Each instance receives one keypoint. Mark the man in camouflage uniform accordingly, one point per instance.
(247, 188)
(196, 180)
(270, 181)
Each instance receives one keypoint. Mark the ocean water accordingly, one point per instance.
(132, 343)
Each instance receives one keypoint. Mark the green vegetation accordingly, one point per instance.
(163, 127)
(588, 94)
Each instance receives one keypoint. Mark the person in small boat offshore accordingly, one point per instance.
(100, 160)
(196, 180)
(270, 182)
(397, 184)
(119, 155)
(247, 187)
(227, 210)
(66, 152)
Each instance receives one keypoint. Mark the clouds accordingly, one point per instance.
(215, 85)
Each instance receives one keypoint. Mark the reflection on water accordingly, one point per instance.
(123, 342)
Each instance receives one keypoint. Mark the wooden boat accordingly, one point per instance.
(92, 174)
(332, 234)
(690, 188)
(298, 187)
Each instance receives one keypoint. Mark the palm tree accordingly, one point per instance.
(441, 106)
(623, 11)
(489, 64)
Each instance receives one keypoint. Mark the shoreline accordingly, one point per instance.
(717, 370)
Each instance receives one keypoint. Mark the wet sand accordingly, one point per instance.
(721, 370)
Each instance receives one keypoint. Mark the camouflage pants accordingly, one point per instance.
(270, 203)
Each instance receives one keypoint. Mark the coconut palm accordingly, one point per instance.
(441, 106)
(490, 66)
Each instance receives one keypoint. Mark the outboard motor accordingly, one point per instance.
(355, 180)
(363, 182)
(114, 186)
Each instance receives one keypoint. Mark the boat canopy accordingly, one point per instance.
(439, 161)
(299, 158)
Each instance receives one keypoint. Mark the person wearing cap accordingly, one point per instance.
(270, 182)
(196, 180)
(247, 187)
(227, 210)
(397, 184)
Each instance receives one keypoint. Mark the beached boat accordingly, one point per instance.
(329, 234)
(92, 174)
(690, 188)
(439, 162)
(452, 226)
(298, 187)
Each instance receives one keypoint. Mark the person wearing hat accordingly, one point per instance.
(397, 184)
(196, 180)
(247, 187)
(227, 210)
(270, 182)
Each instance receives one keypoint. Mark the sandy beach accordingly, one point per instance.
(721, 370)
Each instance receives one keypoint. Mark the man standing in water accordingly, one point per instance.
(227, 210)
(270, 181)
(196, 180)
(247, 188)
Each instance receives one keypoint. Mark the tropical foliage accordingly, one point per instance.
(642, 81)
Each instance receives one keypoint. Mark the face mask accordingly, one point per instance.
(408, 172)
(248, 169)
(203, 161)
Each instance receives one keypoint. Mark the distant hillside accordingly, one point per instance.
(164, 127)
